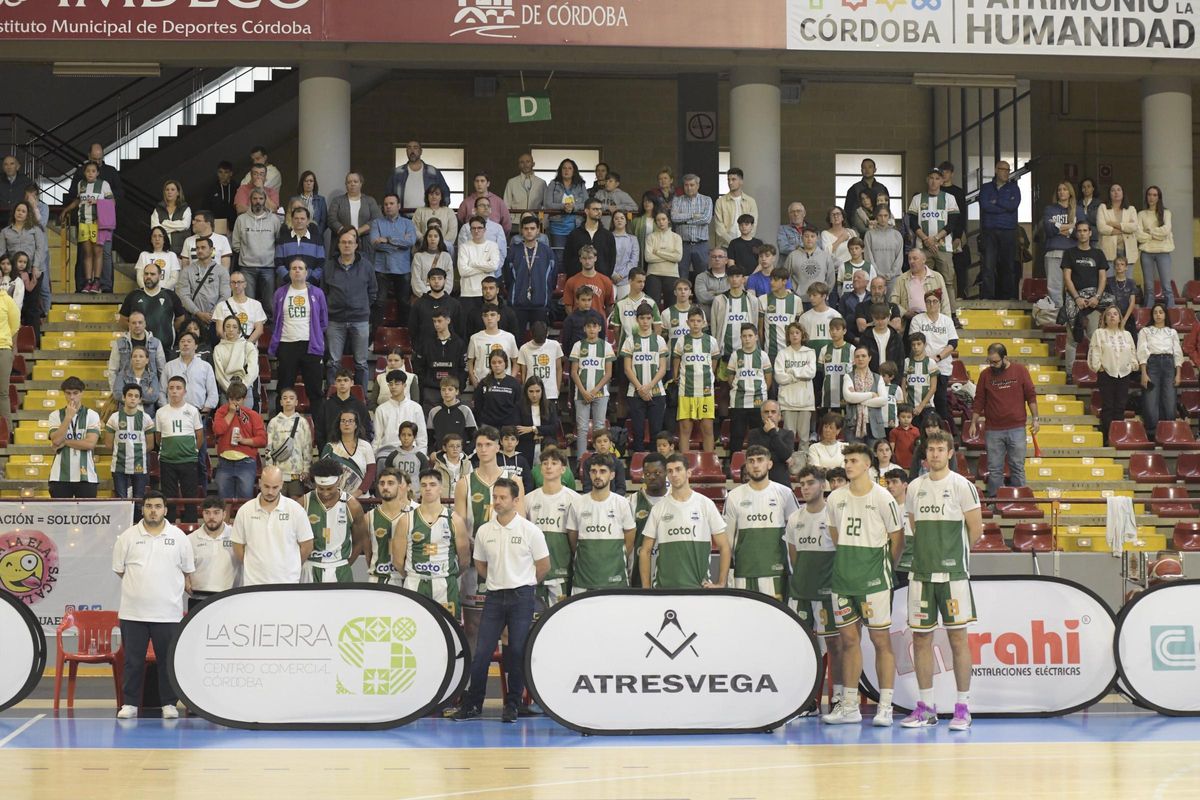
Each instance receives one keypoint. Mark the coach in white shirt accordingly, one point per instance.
(212, 544)
(511, 555)
(154, 561)
(271, 535)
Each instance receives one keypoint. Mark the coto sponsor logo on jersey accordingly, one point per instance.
(758, 518)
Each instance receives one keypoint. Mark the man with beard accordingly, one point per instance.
(601, 532)
(654, 489)
(162, 308)
(756, 514)
(254, 235)
(216, 568)
(391, 487)
(339, 527)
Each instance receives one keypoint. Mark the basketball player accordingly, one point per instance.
(473, 495)
(437, 543)
(865, 524)
(943, 509)
(756, 514)
(392, 489)
(549, 508)
(338, 524)
(686, 525)
(654, 489)
(601, 532)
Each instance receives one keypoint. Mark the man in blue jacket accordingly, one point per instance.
(410, 181)
(530, 275)
(998, 203)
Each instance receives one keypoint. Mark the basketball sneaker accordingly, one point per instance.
(843, 714)
(883, 717)
(170, 712)
(923, 716)
(962, 718)
(127, 712)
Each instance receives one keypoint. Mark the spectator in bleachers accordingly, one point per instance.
(933, 215)
(628, 252)
(497, 209)
(941, 338)
(161, 255)
(13, 183)
(430, 253)
(10, 280)
(826, 452)
(10, 324)
(835, 239)
(138, 335)
(999, 200)
(90, 191)
(743, 250)
(440, 355)
(240, 433)
(808, 264)
(604, 296)
(140, 372)
(530, 274)
(663, 256)
(862, 217)
(873, 188)
(249, 312)
(342, 400)
(1058, 227)
(526, 191)
(173, 215)
(731, 310)
(750, 378)
(1112, 355)
(289, 444)
(1002, 392)
(883, 246)
(1117, 227)
(904, 436)
(260, 158)
(397, 408)
(565, 196)
(235, 360)
(712, 282)
(613, 198)
(849, 302)
(478, 257)
(758, 280)
(351, 448)
(865, 400)
(1156, 242)
(354, 210)
(691, 216)
(882, 341)
(180, 429)
(27, 280)
(962, 255)
(203, 283)
(791, 235)
(795, 366)
(204, 348)
(497, 393)
(910, 290)
(450, 416)
(591, 233)
(129, 432)
(863, 318)
(1089, 202)
(350, 292)
(1085, 273)
(729, 209)
(492, 231)
(435, 211)
(303, 240)
(254, 236)
(393, 237)
(220, 199)
(780, 441)
(202, 228)
(201, 379)
(412, 180)
(24, 234)
(258, 180)
(74, 434)
(42, 217)
(537, 419)
(1127, 295)
(110, 175)
(1161, 357)
(309, 193)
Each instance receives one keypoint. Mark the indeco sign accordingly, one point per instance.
(641, 661)
(317, 656)
(1158, 648)
(24, 651)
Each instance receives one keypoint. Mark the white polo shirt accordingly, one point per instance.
(216, 568)
(152, 569)
(510, 551)
(272, 540)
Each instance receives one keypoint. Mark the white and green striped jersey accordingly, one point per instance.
(863, 562)
(129, 441)
(776, 313)
(812, 569)
(683, 532)
(675, 324)
(895, 396)
(646, 354)
(432, 551)
(748, 377)
(940, 537)
(176, 429)
(844, 277)
(834, 362)
(919, 375)
(624, 315)
(551, 512)
(333, 540)
(71, 465)
(756, 521)
(696, 354)
(933, 213)
(591, 357)
(729, 314)
(816, 326)
(600, 525)
(383, 532)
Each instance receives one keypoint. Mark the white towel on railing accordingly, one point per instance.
(1121, 527)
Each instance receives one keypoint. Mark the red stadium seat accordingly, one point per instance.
(1015, 503)
(302, 404)
(1187, 374)
(736, 462)
(1191, 290)
(264, 343)
(26, 339)
(712, 492)
(1186, 536)
(1033, 537)
(635, 467)
(1082, 375)
(1033, 289)
(1190, 400)
(723, 434)
(976, 442)
(992, 540)
(1175, 434)
(1181, 319)
(388, 339)
(264, 369)
(958, 373)
(19, 370)
(1142, 317)
(708, 469)
(1168, 509)
(4, 432)
(1159, 295)
(1187, 467)
(1149, 468)
(1128, 435)
(960, 463)
(1081, 349)
(1060, 345)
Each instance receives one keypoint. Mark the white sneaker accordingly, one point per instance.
(843, 714)
(127, 712)
(883, 717)
(170, 712)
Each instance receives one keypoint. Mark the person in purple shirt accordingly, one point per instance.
(298, 337)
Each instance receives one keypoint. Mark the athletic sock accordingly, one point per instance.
(885, 697)
(963, 697)
(838, 691)
(850, 696)
(927, 697)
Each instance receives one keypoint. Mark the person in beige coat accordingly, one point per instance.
(912, 302)
(1117, 224)
(1156, 243)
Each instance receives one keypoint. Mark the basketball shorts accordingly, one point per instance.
(697, 408)
(952, 601)
(874, 609)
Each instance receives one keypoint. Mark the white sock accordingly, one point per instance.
(963, 697)
(850, 696)
(885, 697)
(927, 697)
(838, 691)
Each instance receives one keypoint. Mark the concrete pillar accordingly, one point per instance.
(325, 123)
(754, 141)
(1167, 161)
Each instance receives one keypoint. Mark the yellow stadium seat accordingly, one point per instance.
(1091, 539)
(1084, 468)
(79, 312)
(73, 340)
(994, 319)
(58, 369)
(50, 399)
(1030, 348)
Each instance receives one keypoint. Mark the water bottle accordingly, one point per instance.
(236, 437)
(93, 649)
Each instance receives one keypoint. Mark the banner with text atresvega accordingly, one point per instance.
(57, 556)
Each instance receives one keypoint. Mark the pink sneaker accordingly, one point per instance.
(922, 716)
(962, 718)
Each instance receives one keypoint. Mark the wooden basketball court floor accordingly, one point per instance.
(1111, 751)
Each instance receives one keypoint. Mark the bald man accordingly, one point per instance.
(271, 534)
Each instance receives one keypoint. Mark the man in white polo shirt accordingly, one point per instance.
(511, 555)
(271, 535)
(154, 561)
(216, 568)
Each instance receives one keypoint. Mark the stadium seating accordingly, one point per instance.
(1013, 503)
(1149, 468)
(1186, 536)
(1191, 291)
(992, 540)
(1128, 435)
(1082, 375)
(1033, 289)
(1187, 467)
(1175, 434)
(1033, 537)
(1172, 509)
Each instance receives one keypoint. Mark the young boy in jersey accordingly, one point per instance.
(731, 310)
(436, 543)
(591, 371)
(451, 416)
(777, 310)
(694, 357)
(750, 375)
(407, 458)
(600, 529)
(944, 511)
(511, 462)
(810, 554)
(216, 568)
(129, 431)
(675, 317)
(895, 480)
(920, 375)
(756, 514)
(866, 526)
(74, 433)
(484, 342)
(387, 551)
(624, 313)
(816, 321)
(646, 362)
(180, 429)
(550, 508)
(451, 462)
(654, 489)
(844, 282)
(338, 524)
(834, 361)
(541, 357)
(904, 436)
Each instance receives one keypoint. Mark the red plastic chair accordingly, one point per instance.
(1160, 295)
(1082, 375)
(1033, 537)
(958, 373)
(1166, 509)
(302, 404)
(19, 370)
(1149, 468)
(1015, 503)
(90, 627)
(264, 368)
(1191, 290)
(708, 469)
(736, 463)
(1190, 400)
(976, 442)
(1142, 316)
(1187, 467)
(1186, 536)
(713, 492)
(1060, 345)
(992, 540)
(723, 434)
(26, 339)
(1181, 319)
(1175, 434)
(1187, 375)
(388, 339)
(1033, 289)
(1081, 349)
(1128, 435)
(635, 467)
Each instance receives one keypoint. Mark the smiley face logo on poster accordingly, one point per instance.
(28, 565)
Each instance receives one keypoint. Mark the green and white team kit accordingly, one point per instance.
(645, 354)
(919, 376)
(333, 540)
(71, 465)
(683, 531)
(624, 315)
(551, 513)
(696, 354)
(737, 310)
(383, 567)
(431, 569)
(591, 357)
(933, 212)
(816, 326)
(863, 562)
(812, 569)
(776, 314)
(176, 428)
(748, 377)
(130, 454)
(940, 539)
(756, 521)
(600, 558)
(834, 362)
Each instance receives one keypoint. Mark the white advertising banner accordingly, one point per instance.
(637, 661)
(1143, 28)
(315, 656)
(1042, 646)
(22, 651)
(1158, 654)
(57, 557)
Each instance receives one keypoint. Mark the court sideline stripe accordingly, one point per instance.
(21, 729)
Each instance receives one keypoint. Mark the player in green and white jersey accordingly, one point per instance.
(895, 480)
(591, 371)
(776, 311)
(74, 433)
(549, 508)
(624, 313)
(387, 549)
(694, 375)
(866, 524)
(338, 524)
(944, 511)
(844, 276)
(130, 433)
(750, 375)
(675, 317)
(756, 514)
(646, 361)
(834, 361)
(932, 216)
(920, 375)
(810, 554)
(685, 525)
(473, 497)
(817, 319)
(437, 542)
(654, 489)
(733, 309)
(601, 532)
